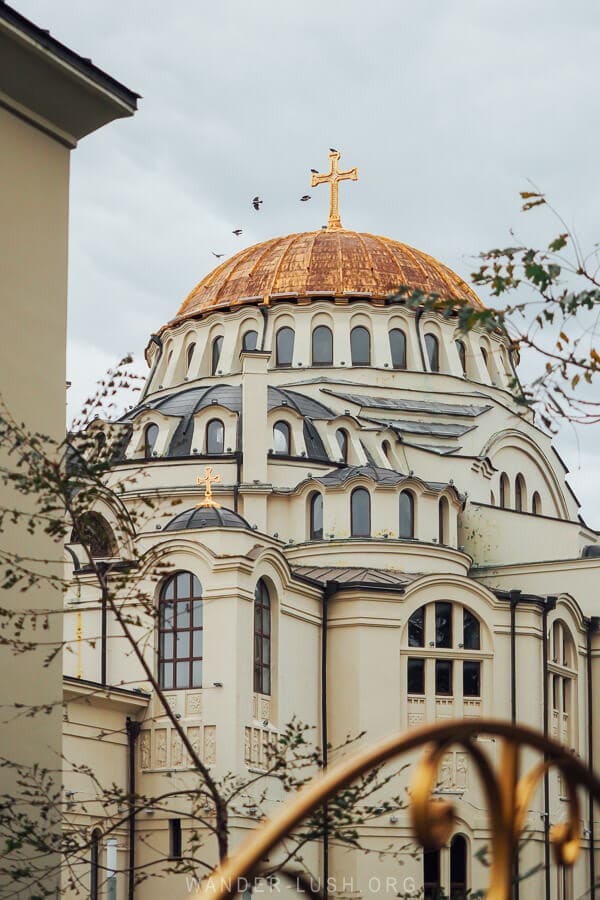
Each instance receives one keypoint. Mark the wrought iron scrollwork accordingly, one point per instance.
(508, 797)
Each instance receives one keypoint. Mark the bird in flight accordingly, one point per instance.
(333, 150)
(305, 197)
(237, 231)
(256, 203)
(316, 171)
(218, 255)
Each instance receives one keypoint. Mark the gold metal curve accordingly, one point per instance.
(507, 797)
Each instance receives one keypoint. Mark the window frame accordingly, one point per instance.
(360, 492)
(278, 335)
(403, 364)
(315, 534)
(216, 351)
(358, 334)
(262, 668)
(432, 349)
(245, 336)
(194, 614)
(313, 356)
(150, 444)
(209, 451)
(410, 536)
(282, 428)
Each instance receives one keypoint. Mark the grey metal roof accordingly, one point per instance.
(206, 517)
(349, 575)
(374, 473)
(400, 403)
(434, 429)
(306, 406)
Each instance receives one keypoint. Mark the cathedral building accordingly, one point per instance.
(382, 538)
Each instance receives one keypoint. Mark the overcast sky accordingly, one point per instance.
(446, 107)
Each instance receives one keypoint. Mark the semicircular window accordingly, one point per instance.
(93, 531)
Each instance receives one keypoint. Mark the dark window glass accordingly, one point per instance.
(341, 437)
(360, 513)
(555, 691)
(504, 490)
(416, 628)
(519, 493)
(250, 340)
(443, 677)
(433, 352)
(407, 515)
(443, 624)
(322, 346)
(190, 355)
(180, 632)
(316, 517)
(536, 504)
(215, 436)
(462, 355)
(443, 521)
(431, 875)
(471, 631)
(262, 639)
(281, 438)
(486, 360)
(284, 347)
(150, 437)
(175, 847)
(217, 346)
(93, 531)
(387, 451)
(471, 678)
(458, 868)
(415, 676)
(398, 348)
(95, 863)
(360, 346)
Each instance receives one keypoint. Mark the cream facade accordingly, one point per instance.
(383, 490)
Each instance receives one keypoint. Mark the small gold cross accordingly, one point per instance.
(334, 176)
(208, 480)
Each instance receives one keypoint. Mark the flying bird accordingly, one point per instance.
(305, 197)
(218, 255)
(333, 150)
(256, 203)
(316, 171)
(237, 231)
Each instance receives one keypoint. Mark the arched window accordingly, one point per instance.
(416, 628)
(432, 886)
(189, 355)
(282, 441)
(215, 437)
(341, 437)
(250, 340)
(360, 346)
(217, 346)
(443, 520)
(398, 348)
(486, 359)
(322, 346)
(519, 493)
(95, 863)
(93, 531)
(536, 504)
(433, 352)
(360, 513)
(180, 632)
(458, 868)
(462, 355)
(284, 347)
(150, 438)
(563, 684)
(406, 527)
(386, 449)
(262, 639)
(504, 490)
(316, 517)
(471, 631)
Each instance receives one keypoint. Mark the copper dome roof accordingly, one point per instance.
(334, 263)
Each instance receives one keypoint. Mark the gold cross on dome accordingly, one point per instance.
(334, 176)
(208, 480)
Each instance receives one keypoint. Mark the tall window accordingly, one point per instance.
(416, 628)
(215, 436)
(432, 347)
(462, 355)
(217, 346)
(341, 437)
(519, 493)
(284, 347)
(262, 639)
(432, 885)
(282, 441)
(360, 513)
(536, 504)
(189, 356)
(322, 346)
(407, 515)
(443, 520)
(95, 863)
(563, 681)
(180, 632)
(488, 365)
(504, 490)
(360, 346)
(458, 868)
(250, 340)
(150, 438)
(175, 845)
(398, 348)
(443, 624)
(316, 517)
(386, 449)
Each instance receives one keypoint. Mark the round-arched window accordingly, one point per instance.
(250, 340)
(322, 346)
(443, 521)
(360, 513)
(341, 437)
(432, 347)
(360, 346)
(406, 528)
(462, 355)
(215, 437)
(398, 348)
(262, 639)
(282, 438)
(316, 517)
(536, 504)
(150, 438)
(504, 490)
(284, 347)
(189, 356)
(217, 347)
(519, 493)
(93, 531)
(180, 635)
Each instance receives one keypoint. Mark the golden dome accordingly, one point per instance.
(318, 264)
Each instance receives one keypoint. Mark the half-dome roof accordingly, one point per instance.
(206, 517)
(337, 263)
